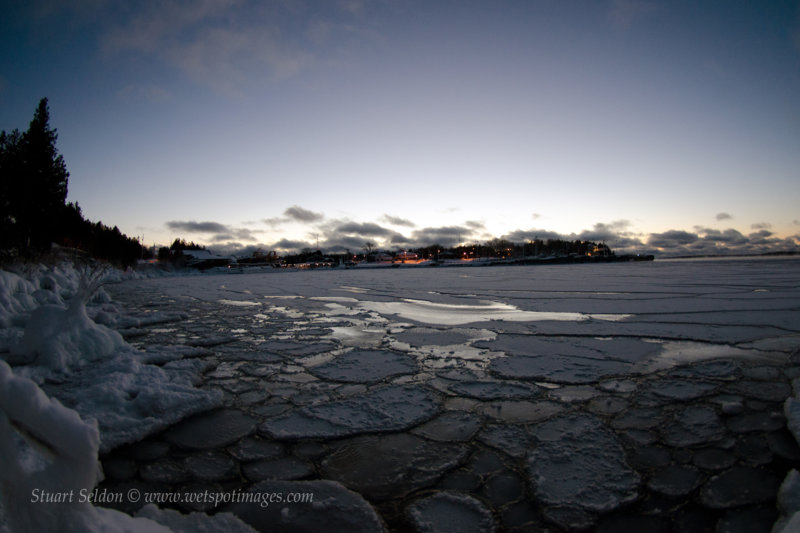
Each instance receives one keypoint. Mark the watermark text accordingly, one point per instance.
(134, 495)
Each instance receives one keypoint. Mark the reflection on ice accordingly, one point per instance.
(357, 335)
(457, 314)
(357, 290)
(286, 311)
(242, 303)
(675, 353)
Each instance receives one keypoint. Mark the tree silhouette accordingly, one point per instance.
(34, 183)
(33, 193)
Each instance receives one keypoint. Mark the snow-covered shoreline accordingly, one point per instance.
(57, 334)
(100, 393)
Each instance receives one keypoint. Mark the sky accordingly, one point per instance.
(656, 127)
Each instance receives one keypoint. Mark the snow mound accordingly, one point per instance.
(88, 366)
(16, 297)
(130, 399)
(58, 337)
(50, 467)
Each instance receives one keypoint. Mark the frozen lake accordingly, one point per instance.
(618, 396)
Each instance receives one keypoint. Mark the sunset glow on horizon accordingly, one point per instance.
(659, 127)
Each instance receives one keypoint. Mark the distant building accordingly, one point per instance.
(600, 250)
(406, 256)
(203, 259)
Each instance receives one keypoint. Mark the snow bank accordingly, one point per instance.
(52, 340)
(16, 297)
(116, 397)
(50, 465)
(58, 338)
(22, 292)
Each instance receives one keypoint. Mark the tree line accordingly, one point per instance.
(34, 215)
(493, 249)
(499, 248)
(34, 212)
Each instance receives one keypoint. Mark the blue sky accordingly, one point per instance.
(655, 126)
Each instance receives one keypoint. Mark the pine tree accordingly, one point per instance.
(33, 184)
(47, 176)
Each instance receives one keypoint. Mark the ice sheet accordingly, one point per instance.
(660, 357)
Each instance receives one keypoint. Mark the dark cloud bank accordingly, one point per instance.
(339, 235)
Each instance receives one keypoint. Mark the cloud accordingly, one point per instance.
(728, 236)
(233, 234)
(532, 235)
(536, 216)
(274, 222)
(724, 216)
(233, 249)
(709, 241)
(342, 243)
(616, 234)
(337, 236)
(604, 231)
(397, 221)
(286, 245)
(348, 235)
(238, 249)
(220, 232)
(294, 214)
(444, 235)
(283, 246)
(197, 227)
(672, 239)
(144, 92)
(354, 7)
(760, 237)
(298, 214)
(368, 229)
(230, 45)
(625, 13)
(218, 43)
